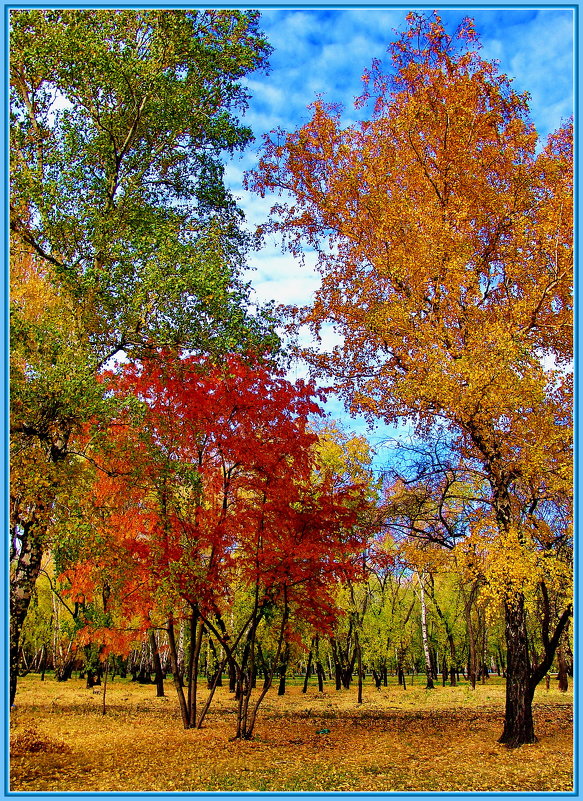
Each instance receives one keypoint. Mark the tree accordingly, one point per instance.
(119, 122)
(445, 247)
(209, 499)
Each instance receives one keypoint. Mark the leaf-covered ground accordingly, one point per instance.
(416, 740)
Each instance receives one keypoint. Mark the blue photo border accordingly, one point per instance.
(4, 387)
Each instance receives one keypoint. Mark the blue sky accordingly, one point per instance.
(322, 52)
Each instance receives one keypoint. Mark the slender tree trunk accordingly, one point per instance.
(213, 687)
(105, 686)
(246, 678)
(501, 662)
(176, 675)
(337, 665)
(359, 667)
(319, 668)
(264, 664)
(563, 676)
(308, 669)
(320, 676)
(471, 642)
(193, 668)
(216, 662)
(43, 664)
(400, 669)
(427, 655)
(157, 665)
(453, 660)
(283, 670)
(250, 721)
(232, 676)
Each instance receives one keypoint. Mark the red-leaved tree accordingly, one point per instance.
(210, 493)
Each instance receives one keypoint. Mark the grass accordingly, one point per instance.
(396, 740)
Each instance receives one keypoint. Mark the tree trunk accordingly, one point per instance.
(563, 675)
(320, 676)
(27, 561)
(264, 665)
(232, 676)
(359, 668)
(400, 668)
(196, 632)
(216, 677)
(104, 687)
(245, 732)
(337, 666)
(518, 721)
(308, 669)
(282, 671)
(319, 668)
(176, 675)
(501, 662)
(427, 655)
(157, 665)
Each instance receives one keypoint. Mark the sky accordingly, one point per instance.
(322, 52)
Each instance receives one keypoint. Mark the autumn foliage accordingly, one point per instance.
(444, 240)
(188, 506)
(213, 492)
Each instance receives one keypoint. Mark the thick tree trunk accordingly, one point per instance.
(27, 562)
(518, 721)
(521, 677)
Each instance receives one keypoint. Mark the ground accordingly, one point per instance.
(397, 740)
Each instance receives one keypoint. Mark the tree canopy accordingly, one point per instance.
(444, 242)
(120, 224)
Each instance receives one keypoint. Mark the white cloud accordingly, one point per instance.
(280, 277)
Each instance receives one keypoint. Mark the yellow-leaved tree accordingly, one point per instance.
(444, 236)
